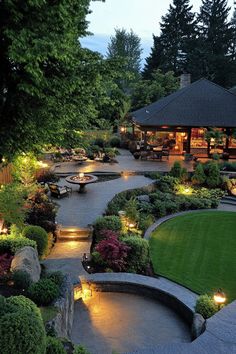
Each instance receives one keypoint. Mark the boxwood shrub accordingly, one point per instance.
(44, 292)
(206, 306)
(111, 222)
(138, 256)
(56, 277)
(21, 326)
(21, 279)
(39, 235)
(11, 244)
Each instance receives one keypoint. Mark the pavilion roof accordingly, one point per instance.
(201, 104)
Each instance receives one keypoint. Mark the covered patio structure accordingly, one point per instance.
(180, 121)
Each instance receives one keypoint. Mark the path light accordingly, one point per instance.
(42, 164)
(86, 291)
(219, 298)
(122, 129)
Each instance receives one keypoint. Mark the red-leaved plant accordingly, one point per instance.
(5, 263)
(113, 251)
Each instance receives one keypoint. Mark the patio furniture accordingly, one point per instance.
(59, 191)
(166, 153)
(79, 158)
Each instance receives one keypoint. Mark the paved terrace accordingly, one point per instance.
(126, 162)
(82, 209)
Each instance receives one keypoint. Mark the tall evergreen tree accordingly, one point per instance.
(212, 53)
(175, 41)
(126, 46)
(155, 59)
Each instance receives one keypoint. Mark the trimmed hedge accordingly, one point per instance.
(112, 222)
(138, 256)
(56, 277)
(21, 327)
(11, 244)
(44, 292)
(206, 306)
(21, 279)
(37, 234)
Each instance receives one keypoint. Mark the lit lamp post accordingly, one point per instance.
(219, 298)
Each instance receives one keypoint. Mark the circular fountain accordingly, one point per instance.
(82, 180)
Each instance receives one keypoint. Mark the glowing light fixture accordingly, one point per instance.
(42, 164)
(219, 298)
(81, 175)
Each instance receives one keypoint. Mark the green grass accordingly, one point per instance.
(48, 313)
(198, 251)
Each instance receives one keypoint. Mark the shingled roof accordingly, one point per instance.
(201, 104)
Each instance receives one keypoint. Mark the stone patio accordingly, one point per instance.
(83, 209)
(126, 162)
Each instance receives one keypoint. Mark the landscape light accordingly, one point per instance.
(219, 298)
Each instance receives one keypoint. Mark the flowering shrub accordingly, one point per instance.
(112, 251)
(5, 263)
(41, 211)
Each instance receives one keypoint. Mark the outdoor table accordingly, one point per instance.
(79, 159)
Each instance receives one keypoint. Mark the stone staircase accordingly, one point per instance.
(230, 200)
(74, 233)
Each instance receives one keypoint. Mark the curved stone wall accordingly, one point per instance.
(180, 299)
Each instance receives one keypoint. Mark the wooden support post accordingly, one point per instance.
(227, 139)
(188, 148)
(145, 139)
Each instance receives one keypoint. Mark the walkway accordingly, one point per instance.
(81, 210)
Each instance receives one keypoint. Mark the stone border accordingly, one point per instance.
(160, 221)
(63, 321)
(175, 296)
(219, 337)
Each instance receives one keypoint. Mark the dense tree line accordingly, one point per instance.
(202, 44)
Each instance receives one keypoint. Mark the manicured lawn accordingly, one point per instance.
(198, 251)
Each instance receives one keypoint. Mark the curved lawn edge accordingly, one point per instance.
(160, 221)
(187, 252)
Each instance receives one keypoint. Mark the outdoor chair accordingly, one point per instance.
(166, 153)
(59, 191)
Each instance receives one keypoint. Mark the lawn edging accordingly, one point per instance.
(160, 221)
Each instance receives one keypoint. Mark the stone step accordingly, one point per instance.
(74, 233)
(229, 198)
(228, 202)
